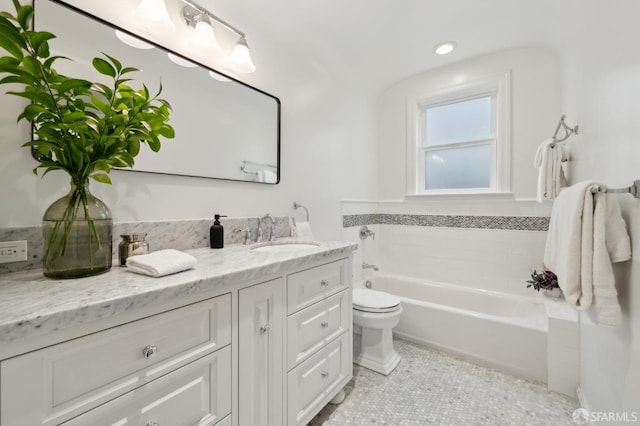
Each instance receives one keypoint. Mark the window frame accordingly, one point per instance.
(496, 86)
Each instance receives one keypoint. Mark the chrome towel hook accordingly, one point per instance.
(297, 206)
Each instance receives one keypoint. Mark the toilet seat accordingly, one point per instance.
(367, 300)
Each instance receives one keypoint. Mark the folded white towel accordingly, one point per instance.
(551, 178)
(161, 262)
(586, 234)
(269, 176)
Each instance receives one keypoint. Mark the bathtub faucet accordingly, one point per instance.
(368, 266)
(365, 232)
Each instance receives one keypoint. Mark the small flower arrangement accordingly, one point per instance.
(545, 280)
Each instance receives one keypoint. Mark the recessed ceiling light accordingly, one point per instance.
(444, 48)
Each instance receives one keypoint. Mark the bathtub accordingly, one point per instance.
(500, 330)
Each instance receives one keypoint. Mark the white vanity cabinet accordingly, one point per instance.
(260, 343)
(319, 338)
(267, 347)
(128, 368)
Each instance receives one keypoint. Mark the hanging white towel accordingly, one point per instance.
(586, 234)
(548, 161)
(161, 262)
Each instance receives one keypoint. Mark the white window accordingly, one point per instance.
(459, 140)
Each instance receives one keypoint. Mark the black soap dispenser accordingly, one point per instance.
(216, 233)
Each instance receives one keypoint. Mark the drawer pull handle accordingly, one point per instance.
(152, 423)
(149, 351)
(264, 329)
(324, 283)
(325, 374)
(324, 324)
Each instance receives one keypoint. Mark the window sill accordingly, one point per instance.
(461, 196)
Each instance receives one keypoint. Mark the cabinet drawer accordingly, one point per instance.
(64, 380)
(196, 394)
(312, 285)
(314, 382)
(311, 328)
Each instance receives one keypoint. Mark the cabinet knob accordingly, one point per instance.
(324, 324)
(324, 283)
(264, 329)
(153, 423)
(150, 351)
(325, 374)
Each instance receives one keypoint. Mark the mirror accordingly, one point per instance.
(225, 129)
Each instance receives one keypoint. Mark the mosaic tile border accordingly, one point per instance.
(511, 223)
(176, 234)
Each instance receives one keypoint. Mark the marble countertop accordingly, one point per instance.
(32, 304)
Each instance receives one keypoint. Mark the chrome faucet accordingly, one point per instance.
(368, 266)
(247, 236)
(272, 236)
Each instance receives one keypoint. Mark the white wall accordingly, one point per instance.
(326, 124)
(497, 260)
(602, 91)
(535, 92)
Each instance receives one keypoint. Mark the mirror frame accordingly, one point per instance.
(82, 12)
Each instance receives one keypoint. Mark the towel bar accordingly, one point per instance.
(634, 189)
(297, 206)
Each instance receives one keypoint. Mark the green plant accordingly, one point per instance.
(81, 127)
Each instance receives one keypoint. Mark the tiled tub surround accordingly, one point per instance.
(516, 223)
(177, 234)
(31, 304)
(471, 255)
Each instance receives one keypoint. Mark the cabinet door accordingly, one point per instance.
(261, 350)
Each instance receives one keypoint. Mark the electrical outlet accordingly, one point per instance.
(13, 251)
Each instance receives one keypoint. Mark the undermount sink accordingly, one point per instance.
(283, 246)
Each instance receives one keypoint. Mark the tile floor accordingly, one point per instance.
(433, 388)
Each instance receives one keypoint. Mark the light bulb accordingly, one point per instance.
(155, 11)
(241, 57)
(204, 36)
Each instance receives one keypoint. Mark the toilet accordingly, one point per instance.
(377, 313)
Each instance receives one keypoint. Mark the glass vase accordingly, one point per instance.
(77, 231)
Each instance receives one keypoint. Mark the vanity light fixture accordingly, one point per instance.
(241, 56)
(197, 17)
(217, 76)
(155, 11)
(178, 60)
(203, 35)
(132, 41)
(444, 48)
